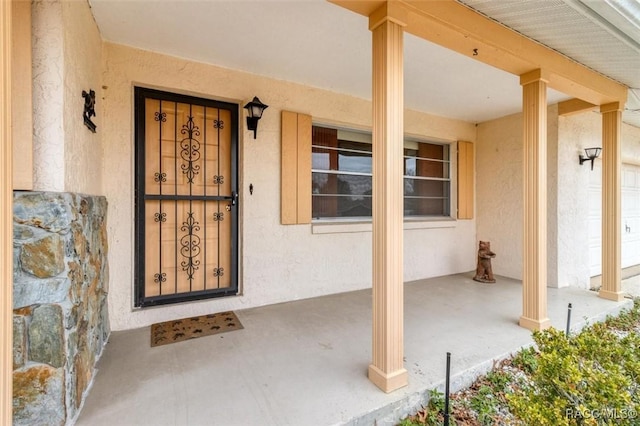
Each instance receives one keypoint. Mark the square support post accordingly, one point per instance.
(387, 368)
(6, 219)
(534, 280)
(611, 202)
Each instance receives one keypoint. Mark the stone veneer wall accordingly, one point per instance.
(60, 318)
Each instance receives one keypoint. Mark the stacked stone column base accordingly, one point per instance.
(60, 322)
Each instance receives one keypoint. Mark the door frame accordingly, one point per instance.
(140, 301)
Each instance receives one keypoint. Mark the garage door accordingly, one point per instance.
(630, 179)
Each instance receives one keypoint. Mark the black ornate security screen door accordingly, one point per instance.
(186, 198)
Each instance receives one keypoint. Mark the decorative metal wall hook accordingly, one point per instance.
(89, 109)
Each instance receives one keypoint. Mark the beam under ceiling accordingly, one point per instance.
(459, 28)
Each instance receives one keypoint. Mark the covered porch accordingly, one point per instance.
(305, 362)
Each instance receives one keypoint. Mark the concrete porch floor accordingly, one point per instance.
(305, 362)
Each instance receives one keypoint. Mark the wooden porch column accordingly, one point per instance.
(6, 217)
(534, 280)
(387, 369)
(611, 205)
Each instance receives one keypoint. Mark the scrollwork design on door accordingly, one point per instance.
(190, 149)
(190, 246)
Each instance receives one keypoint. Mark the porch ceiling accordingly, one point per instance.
(317, 43)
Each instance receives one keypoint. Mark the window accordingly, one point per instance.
(342, 175)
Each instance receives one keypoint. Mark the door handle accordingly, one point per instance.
(234, 198)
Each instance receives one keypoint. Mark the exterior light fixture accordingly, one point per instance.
(254, 109)
(592, 154)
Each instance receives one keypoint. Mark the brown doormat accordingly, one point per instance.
(189, 328)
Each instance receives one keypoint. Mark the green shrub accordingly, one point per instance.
(484, 404)
(526, 360)
(499, 380)
(580, 378)
(626, 321)
(410, 421)
(432, 414)
(592, 378)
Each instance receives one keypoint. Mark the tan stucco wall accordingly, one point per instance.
(82, 71)
(67, 59)
(499, 187)
(278, 263)
(553, 164)
(631, 144)
(48, 95)
(499, 191)
(578, 132)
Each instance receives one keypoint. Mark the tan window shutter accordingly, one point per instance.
(465, 180)
(295, 193)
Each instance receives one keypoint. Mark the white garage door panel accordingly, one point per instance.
(630, 181)
(630, 216)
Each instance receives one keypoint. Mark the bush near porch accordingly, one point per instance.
(591, 378)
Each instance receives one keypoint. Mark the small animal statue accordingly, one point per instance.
(484, 273)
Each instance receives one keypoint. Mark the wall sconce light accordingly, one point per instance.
(592, 154)
(255, 108)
